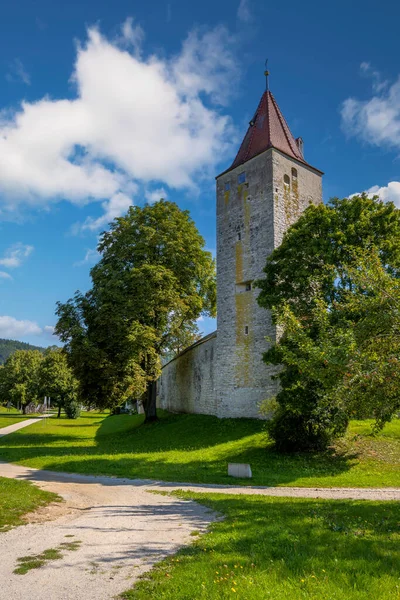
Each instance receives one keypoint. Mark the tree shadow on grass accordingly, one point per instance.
(302, 538)
(185, 448)
(159, 468)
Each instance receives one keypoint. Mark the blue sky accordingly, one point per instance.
(106, 104)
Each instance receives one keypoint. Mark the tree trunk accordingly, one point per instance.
(24, 409)
(59, 411)
(149, 402)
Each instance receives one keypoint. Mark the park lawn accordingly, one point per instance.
(9, 417)
(18, 498)
(284, 549)
(197, 448)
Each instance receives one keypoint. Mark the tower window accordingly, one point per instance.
(239, 236)
(246, 330)
(294, 173)
(227, 186)
(248, 287)
(242, 177)
(286, 181)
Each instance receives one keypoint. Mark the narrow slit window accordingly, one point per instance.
(294, 174)
(246, 330)
(239, 236)
(227, 186)
(242, 177)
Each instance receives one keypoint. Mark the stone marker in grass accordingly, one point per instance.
(241, 470)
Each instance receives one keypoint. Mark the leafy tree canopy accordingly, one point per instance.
(19, 378)
(7, 347)
(153, 281)
(56, 379)
(321, 285)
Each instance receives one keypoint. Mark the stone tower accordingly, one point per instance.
(264, 191)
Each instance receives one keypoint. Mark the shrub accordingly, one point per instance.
(72, 410)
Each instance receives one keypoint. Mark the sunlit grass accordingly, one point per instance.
(284, 549)
(10, 416)
(197, 448)
(18, 498)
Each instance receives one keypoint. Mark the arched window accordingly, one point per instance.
(294, 173)
(286, 181)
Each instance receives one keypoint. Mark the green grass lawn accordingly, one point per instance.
(18, 498)
(197, 448)
(9, 417)
(284, 550)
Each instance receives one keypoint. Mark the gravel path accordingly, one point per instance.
(123, 529)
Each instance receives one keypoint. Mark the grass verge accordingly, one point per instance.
(197, 448)
(284, 549)
(18, 498)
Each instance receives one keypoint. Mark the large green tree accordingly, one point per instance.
(56, 379)
(154, 279)
(19, 381)
(307, 286)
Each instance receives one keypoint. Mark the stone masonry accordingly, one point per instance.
(265, 191)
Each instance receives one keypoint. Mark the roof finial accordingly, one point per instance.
(266, 73)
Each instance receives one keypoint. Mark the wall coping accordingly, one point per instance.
(204, 339)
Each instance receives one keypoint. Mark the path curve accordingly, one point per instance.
(123, 529)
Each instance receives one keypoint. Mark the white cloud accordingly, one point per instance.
(12, 328)
(134, 121)
(243, 12)
(17, 73)
(377, 120)
(388, 193)
(4, 275)
(91, 257)
(17, 329)
(155, 195)
(132, 35)
(15, 255)
(378, 84)
(115, 207)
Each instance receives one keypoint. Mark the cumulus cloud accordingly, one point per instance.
(134, 120)
(17, 73)
(16, 329)
(12, 328)
(156, 195)
(387, 193)
(244, 13)
(132, 35)
(15, 255)
(376, 120)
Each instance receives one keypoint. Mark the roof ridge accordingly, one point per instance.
(286, 129)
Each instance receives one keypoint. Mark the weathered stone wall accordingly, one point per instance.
(224, 375)
(251, 219)
(187, 382)
(303, 186)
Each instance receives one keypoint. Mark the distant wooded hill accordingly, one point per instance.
(7, 347)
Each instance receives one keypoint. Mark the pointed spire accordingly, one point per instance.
(268, 129)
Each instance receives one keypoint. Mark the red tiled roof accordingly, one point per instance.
(268, 129)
